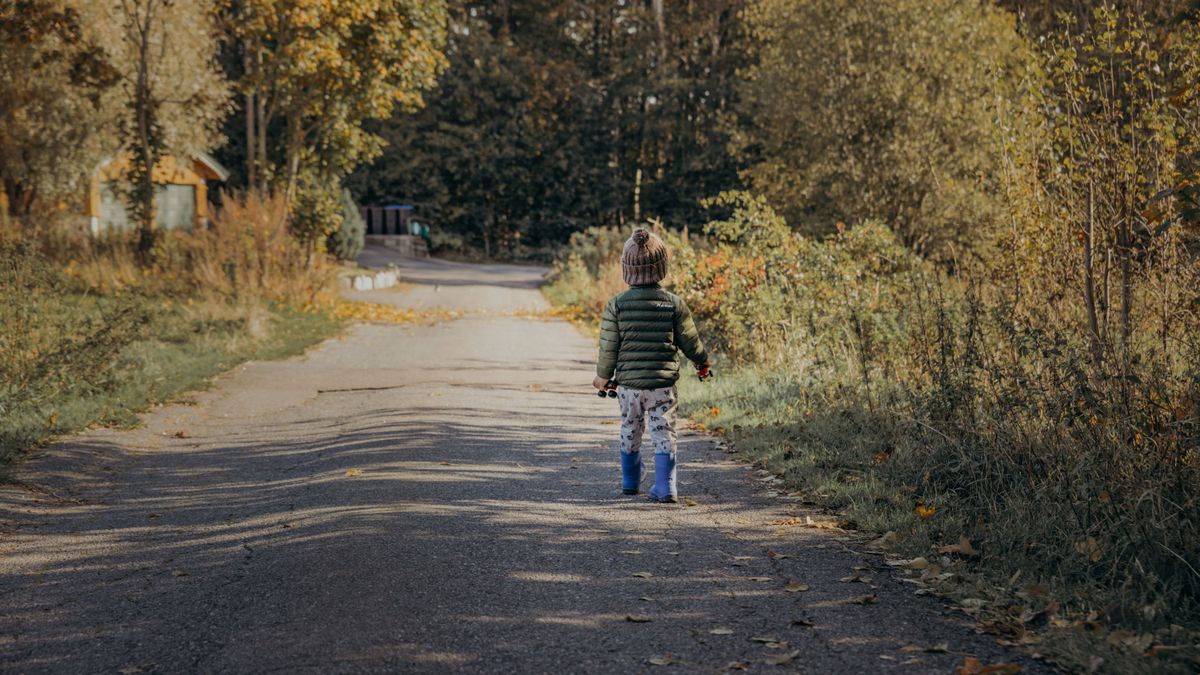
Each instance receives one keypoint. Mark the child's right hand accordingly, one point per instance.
(600, 383)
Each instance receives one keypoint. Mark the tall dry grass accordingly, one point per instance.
(244, 257)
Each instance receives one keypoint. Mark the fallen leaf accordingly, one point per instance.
(351, 473)
(721, 631)
(796, 587)
(714, 411)
(632, 552)
(637, 618)
(940, 648)
(802, 623)
(764, 640)
(888, 540)
(963, 548)
(782, 659)
(859, 600)
(776, 556)
(664, 660)
(737, 665)
(759, 578)
(822, 524)
(743, 557)
(646, 599)
(179, 573)
(688, 501)
(1090, 548)
(182, 434)
(643, 575)
(855, 579)
(445, 463)
(972, 666)
(925, 512)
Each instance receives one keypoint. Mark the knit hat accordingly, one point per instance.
(644, 260)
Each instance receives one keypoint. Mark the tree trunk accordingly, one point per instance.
(1089, 280)
(251, 142)
(146, 154)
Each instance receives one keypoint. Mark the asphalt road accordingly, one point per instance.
(432, 498)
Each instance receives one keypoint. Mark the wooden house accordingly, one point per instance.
(181, 201)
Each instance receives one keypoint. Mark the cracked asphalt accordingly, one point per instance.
(430, 498)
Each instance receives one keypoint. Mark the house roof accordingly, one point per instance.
(214, 167)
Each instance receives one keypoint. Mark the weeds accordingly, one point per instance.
(89, 335)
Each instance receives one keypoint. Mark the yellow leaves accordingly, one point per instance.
(925, 512)
(353, 473)
(371, 312)
(714, 411)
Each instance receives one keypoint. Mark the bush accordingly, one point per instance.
(347, 242)
(882, 384)
(52, 345)
(316, 211)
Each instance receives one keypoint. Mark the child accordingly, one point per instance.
(639, 334)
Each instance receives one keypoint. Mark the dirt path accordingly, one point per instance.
(438, 498)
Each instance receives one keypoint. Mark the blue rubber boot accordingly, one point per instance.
(664, 479)
(632, 470)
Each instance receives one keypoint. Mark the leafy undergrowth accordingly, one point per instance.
(836, 461)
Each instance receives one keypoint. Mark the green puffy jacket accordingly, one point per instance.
(639, 334)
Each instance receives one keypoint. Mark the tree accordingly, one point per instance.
(321, 70)
(53, 83)
(891, 111)
(559, 114)
(173, 95)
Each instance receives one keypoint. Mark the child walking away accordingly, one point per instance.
(640, 332)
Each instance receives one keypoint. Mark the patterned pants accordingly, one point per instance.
(660, 405)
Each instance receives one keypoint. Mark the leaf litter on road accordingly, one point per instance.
(939, 648)
(643, 575)
(664, 660)
(796, 587)
(782, 659)
(637, 618)
(721, 631)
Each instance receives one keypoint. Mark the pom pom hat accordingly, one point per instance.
(644, 260)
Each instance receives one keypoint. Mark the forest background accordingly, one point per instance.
(947, 251)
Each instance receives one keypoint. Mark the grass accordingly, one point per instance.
(181, 347)
(836, 461)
